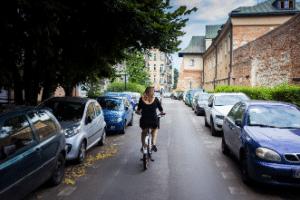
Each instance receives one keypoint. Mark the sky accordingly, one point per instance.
(210, 12)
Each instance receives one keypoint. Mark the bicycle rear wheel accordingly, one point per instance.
(145, 161)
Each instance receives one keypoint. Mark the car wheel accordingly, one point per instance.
(58, 171)
(123, 131)
(103, 139)
(212, 128)
(244, 170)
(205, 121)
(225, 149)
(131, 121)
(81, 153)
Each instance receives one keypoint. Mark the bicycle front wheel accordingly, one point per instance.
(145, 160)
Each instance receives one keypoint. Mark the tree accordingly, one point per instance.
(53, 42)
(176, 76)
(135, 68)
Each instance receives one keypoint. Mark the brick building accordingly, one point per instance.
(270, 59)
(244, 25)
(191, 71)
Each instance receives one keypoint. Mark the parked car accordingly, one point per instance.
(127, 95)
(32, 151)
(180, 96)
(82, 121)
(200, 101)
(135, 96)
(167, 95)
(117, 115)
(190, 95)
(265, 138)
(157, 94)
(218, 106)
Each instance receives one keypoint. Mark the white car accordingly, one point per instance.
(218, 106)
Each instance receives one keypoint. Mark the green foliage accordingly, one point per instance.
(53, 42)
(176, 76)
(130, 87)
(135, 68)
(283, 92)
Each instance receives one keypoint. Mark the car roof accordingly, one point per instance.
(69, 99)
(8, 109)
(228, 93)
(266, 102)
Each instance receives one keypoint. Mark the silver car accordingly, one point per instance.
(218, 106)
(82, 121)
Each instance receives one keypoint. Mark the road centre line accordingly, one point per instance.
(228, 175)
(237, 190)
(67, 191)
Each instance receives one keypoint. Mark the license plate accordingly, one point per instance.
(296, 173)
(112, 127)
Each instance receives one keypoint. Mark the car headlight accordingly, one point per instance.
(268, 154)
(219, 116)
(116, 119)
(72, 130)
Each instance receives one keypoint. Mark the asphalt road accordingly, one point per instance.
(189, 164)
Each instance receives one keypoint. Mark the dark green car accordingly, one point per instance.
(32, 151)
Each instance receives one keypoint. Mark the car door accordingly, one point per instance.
(20, 157)
(208, 109)
(46, 131)
(100, 119)
(91, 126)
(228, 125)
(237, 130)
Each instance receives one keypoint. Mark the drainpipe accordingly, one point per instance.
(231, 53)
(203, 74)
(216, 65)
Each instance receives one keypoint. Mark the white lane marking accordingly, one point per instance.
(228, 175)
(213, 153)
(237, 190)
(208, 142)
(221, 164)
(212, 146)
(67, 191)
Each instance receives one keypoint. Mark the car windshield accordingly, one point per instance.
(226, 100)
(65, 111)
(203, 97)
(194, 91)
(111, 104)
(274, 116)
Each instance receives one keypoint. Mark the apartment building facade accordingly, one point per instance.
(159, 66)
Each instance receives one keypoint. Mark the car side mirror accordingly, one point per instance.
(88, 120)
(9, 150)
(238, 123)
(126, 108)
(209, 104)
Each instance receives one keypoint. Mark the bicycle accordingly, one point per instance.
(147, 148)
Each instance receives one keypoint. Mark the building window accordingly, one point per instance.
(155, 56)
(225, 48)
(154, 78)
(149, 67)
(286, 4)
(161, 79)
(192, 62)
(149, 57)
(161, 68)
(162, 56)
(154, 67)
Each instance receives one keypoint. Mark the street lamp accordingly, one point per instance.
(190, 84)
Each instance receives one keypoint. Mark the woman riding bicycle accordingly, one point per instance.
(147, 107)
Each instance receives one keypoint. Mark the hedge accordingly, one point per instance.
(283, 92)
(130, 87)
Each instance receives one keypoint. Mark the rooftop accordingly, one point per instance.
(212, 31)
(196, 46)
(268, 7)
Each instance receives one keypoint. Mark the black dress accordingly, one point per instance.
(149, 117)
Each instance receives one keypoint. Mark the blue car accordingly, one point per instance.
(265, 138)
(116, 114)
(128, 97)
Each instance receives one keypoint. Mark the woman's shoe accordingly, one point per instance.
(154, 148)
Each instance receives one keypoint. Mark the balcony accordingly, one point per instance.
(162, 71)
